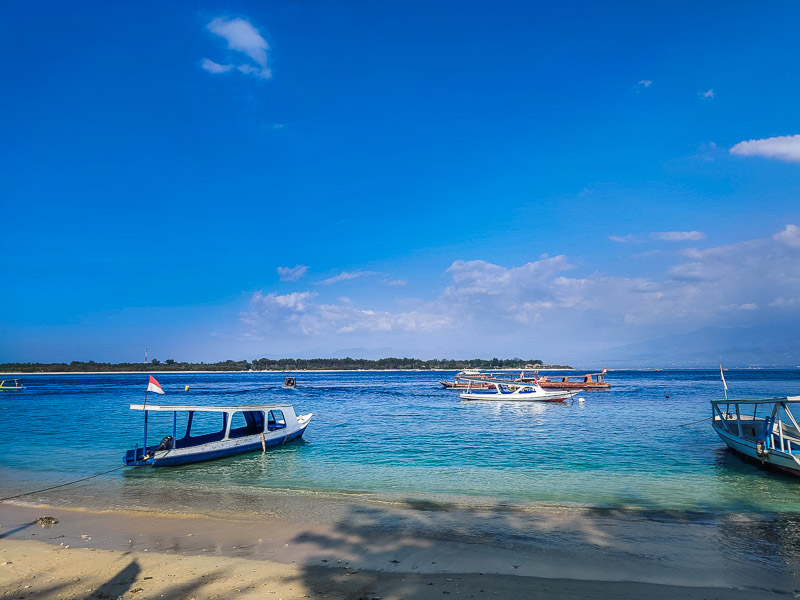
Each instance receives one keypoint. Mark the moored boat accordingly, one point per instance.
(11, 384)
(591, 381)
(241, 429)
(762, 429)
(526, 392)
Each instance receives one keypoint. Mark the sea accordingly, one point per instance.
(646, 443)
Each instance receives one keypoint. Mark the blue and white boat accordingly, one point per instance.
(208, 432)
(763, 429)
(518, 392)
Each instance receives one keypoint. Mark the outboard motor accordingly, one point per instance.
(166, 444)
(761, 449)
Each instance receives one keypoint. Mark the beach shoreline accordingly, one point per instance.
(323, 547)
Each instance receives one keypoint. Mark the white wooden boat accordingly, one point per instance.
(527, 392)
(763, 429)
(241, 429)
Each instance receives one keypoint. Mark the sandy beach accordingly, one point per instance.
(335, 549)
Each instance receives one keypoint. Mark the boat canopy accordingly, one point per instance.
(758, 400)
(194, 408)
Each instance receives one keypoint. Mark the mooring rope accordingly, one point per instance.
(52, 487)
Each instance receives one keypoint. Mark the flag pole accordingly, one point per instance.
(724, 383)
(144, 451)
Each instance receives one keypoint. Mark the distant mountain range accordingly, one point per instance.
(711, 346)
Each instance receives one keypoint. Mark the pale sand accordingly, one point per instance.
(368, 551)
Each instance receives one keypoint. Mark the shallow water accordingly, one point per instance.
(400, 435)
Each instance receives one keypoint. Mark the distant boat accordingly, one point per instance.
(11, 384)
(591, 381)
(763, 429)
(526, 392)
(242, 429)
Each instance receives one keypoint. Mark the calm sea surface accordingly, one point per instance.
(401, 435)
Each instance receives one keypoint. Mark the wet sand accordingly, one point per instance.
(338, 549)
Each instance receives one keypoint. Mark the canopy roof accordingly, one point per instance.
(195, 408)
(758, 400)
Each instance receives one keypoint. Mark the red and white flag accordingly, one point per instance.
(154, 386)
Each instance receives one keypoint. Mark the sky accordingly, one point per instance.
(216, 180)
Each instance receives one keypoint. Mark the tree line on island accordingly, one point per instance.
(283, 364)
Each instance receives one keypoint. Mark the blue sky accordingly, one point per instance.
(453, 180)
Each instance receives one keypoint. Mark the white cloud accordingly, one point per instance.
(212, 67)
(297, 313)
(394, 282)
(790, 236)
(292, 273)
(642, 85)
(678, 236)
(707, 95)
(242, 37)
(545, 304)
(624, 239)
(345, 276)
(782, 302)
(785, 148)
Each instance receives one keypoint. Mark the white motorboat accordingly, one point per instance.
(527, 392)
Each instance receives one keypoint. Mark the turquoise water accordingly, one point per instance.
(400, 435)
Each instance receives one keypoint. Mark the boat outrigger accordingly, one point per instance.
(11, 384)
(764, 429)
(242, 429)
(526, 392)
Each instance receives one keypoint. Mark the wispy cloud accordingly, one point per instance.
(212, 67)
(242, 37)
(678, 236)
(642, 85)
(345, 276)
(789, 237)
(292, 273)
(299, 313)
(394, 282)
(707, 95)
(624, 239)
(491, 302)
(784, 147)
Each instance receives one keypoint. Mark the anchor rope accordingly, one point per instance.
(52, 487)
(693, 422)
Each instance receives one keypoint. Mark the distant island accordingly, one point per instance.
(283, 364)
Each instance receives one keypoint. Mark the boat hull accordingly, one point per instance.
(775, 458)
(515, 397)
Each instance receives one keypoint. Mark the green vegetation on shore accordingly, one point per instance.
(283, 364)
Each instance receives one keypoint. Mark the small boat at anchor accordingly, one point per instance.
(526, 392)
(591, 381)
(11, 384)
(761, 429)
(242, 429)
